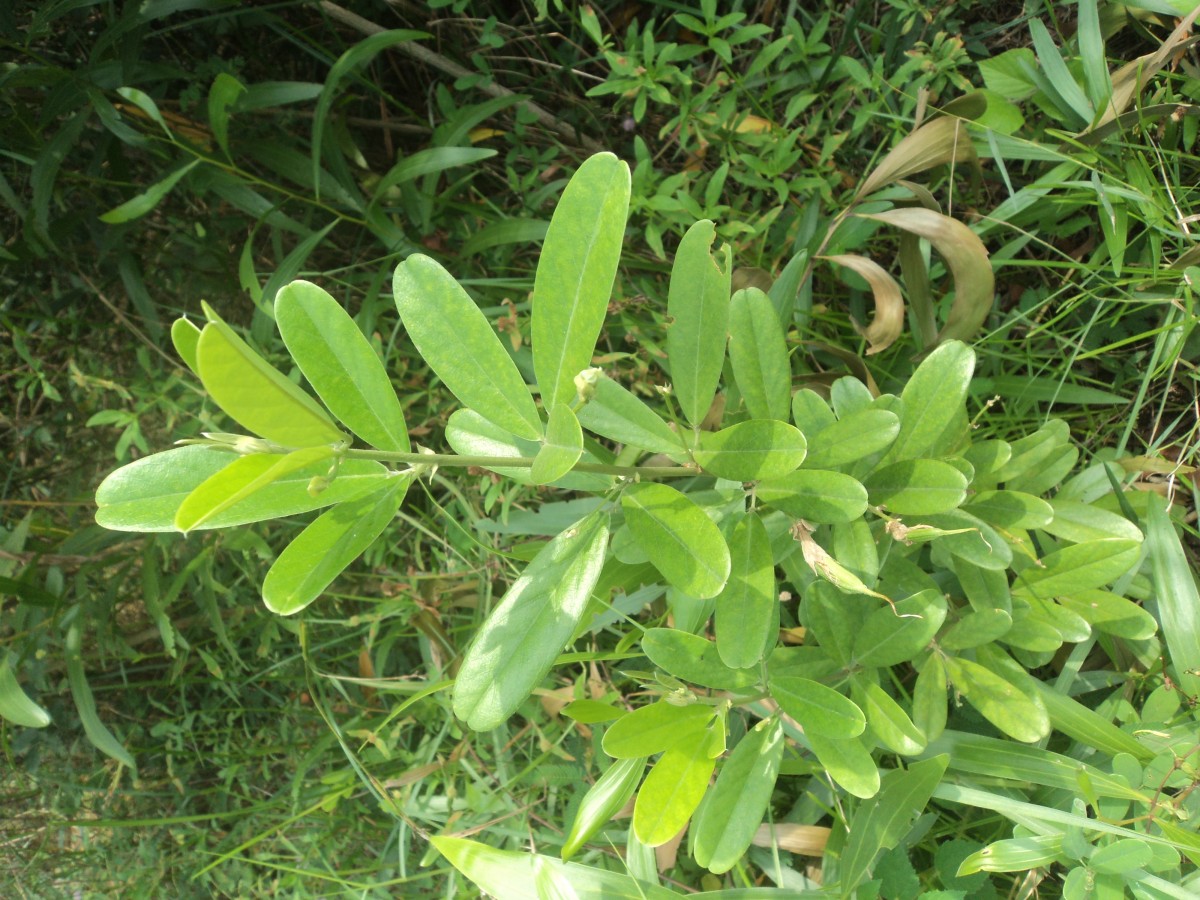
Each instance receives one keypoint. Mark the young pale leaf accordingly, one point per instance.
(848, 763)
(940, 141)
(563, 447)
(655, 728)
(255, 394)
(222, 96)
(748, 451)
(138, 206)
(671, 793)
(815, 495)
(892, 635)
(461, 347)
(746, 614)
(882, 821)
(145, 495)
(967, 258)
(698, 306)
(933, 398)
(758, 355)
(819, 709)
(604, 799)
(341, 365)
(683, 543)
(614, 413)
(85, 703)
(889, 723)
(885, 329)
(521, 638)
(694, 659)
(239, 480)
(854, 437)
(575, 274)
(15, 705)
(185, 336)
(1079, 567)
(917, 487)
(998, 700)
(332, 541)
(733, 810)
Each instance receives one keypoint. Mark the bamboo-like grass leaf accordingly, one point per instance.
(746, 614)
(750, 450)
(671, 793)
(933, 398)
(563, 447)
(341, 365)
(698, 305)
(518, 643)
(683, 543)
(85, 702)
(1176, 601)
(604, 799)
(255, 394)
(819, 709)
(758, 355)
(327, 545)
(967, 259)
(457, 342)
(138, 206)
(575, 274)
(146, 495)
(15, 705)
(735, 807)
(885, 329)
(935, 143)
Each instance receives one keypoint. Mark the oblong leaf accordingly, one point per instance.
(671, 793)
(746, 617)
(562, 449)
(751, 450)
(332, 541)
(848, 763)
(518, 643)
(15, 705)
(892, 635)
(655, 728)
(698, 306)
(819, 709)
(459, 344)
(856, 436)
(694, 659)
(815, 495)
(614, 413)
(758, 355)
(604, 799)
(185, 336)
(255, 394)
(341, 365)
(933, 398)
(683, 543)
(737, 803)
(999, 701)
(889, 722)
(575, 273)
(1082, 522)
(1079, 567)
(917, 487)
(981, 626)
(1111, 613)
(1010, 509)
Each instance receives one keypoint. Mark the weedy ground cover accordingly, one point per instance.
(883, 595)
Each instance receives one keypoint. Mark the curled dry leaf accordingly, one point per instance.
(935, 143)
(807, 840)
(888, 323)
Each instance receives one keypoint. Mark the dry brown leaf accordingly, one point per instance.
(935, 143)
(807, 840)
(886, 327)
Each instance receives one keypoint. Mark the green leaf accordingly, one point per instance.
(819, 709)
(976, 628)
(748, 451)
(146, 494)
(604, 799)
(1111, 614)
(694, 659)
(655, 728)
(683, 543)
(883, 820)
(1010, 509)
(1177, 600)
(563, 447)
(917, 487)
(222, 96)
(1121, 857)
(848, 763)
(240, 480)
(889, 723)
(429, 161)
(185, 336)
(890, 636)
(929, 698)
(614, 413)
(858, 435)
(671, 793)
(811, 414)
(1082, 522)
(746, 617)
(341, 365)
(517, 645)
(316, 556)
(998, 700)
(1079, 567)
(460, 345)
(737, 803)
(698, 309)
(138, 206)
(758, 355)
(933, 399)
(360, 54)
(816, 495)
(81, 692)
(15, 705)
(592, 712)
(1014, 855)
(255, 394)
(575, 274)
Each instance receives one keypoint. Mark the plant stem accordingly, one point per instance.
(518, 462)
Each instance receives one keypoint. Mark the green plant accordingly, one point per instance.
(917, 559)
